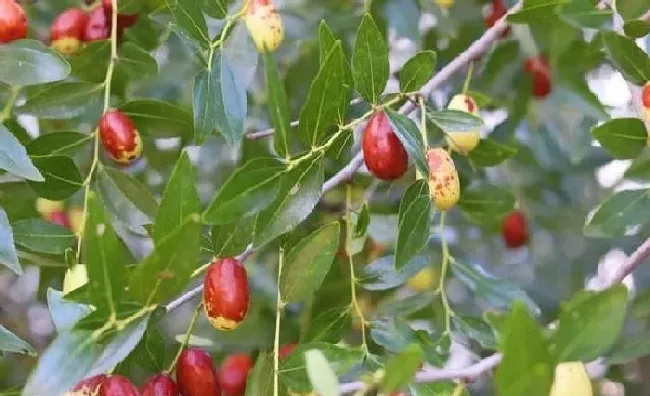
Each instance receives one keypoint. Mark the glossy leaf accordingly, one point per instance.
(486, 204)
(628, 58)
(260, 378)
(370, 60)
(527, 366)
(409, 134)
(537, 10)
(14, 159)
(401, 369)
(631, 9)
(62, 178)
(583, 14)
(125, 197)
(321, 375)
(58, 143)
(455, 120)
(29, 62)
(136, 62)
(216, 8)
(8, 256)
(622, 137)
(636, 29)
(42, 236)
(414, 223)
(382, 274)
(251, 189)
(300, 190)
(417, 71)
(65, 314)
(475, 329)
(307, 264)
(231, 239)
(329, 325)
(278, 107)
(490, 152)
(9, 342)
(91, 61)
(188, 16)
(619, 214)
(589, 324)
(61, 100)
(179, 200)
(394, 334)
(158, 119)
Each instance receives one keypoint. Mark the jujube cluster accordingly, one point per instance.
(120, 138)
(264, 25)
(540, 72)
(464, 141)
(225, 293)
(13, 21)
(383, 153)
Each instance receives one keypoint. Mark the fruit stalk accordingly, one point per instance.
(353, 279)
(186, 339)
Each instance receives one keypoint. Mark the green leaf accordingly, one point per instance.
(179, 200)
(158, 119)
(631, 9)
(490, 152)
(527, 367)
(8, 256)
(370, 60)
(414, 222)
(498, 293)
(417, 71)
(249, 190)
(136, 62)
(486, 204)
(401, 369)
(278, 107)
(188, 16)
(589, 324)
(326, 41)
(628, 58)
(28, 62)
(435, 389)
(125, 197)
(61, 100)
(216, 8)
(382, 274)
(105, 258)
(394, 334)
(628, 349)
(166, 271)
(219, 102)
(622, 137)
(62, 178)
(321, 375)
(620, 213)
(63, 364)
(409, 134)
(582, 13)
(329, 325)
(455, 120)
(14, 159)
(260, 378)
(120, 346)
(293, 368)
(65, 314)
(231, 239)
(637, 29)
(9, 342)
(57, 143)
(307, 264)
(362, 221)
(299, 193)
(42, 236)
(535, 11)
(475, 329)
(90, 62)
(327, 94)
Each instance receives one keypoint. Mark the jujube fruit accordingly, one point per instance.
(497, 11)
(264, 25)
(383, 153)
(423, 281)
(515, 229)
(571, 378)
(286, 350)
(59, 217)
(196, 374)
(119, 136)
(645, 101)
(98, 26)
(540, 71)
(88, 387)
(225, 293)
(67, 30)
(123, 20)
(118, 385)
(463, 141)
(13, 21)
(45, 207)
(444, 184)
(233, 374)
(160, 385)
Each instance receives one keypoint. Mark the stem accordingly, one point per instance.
(186, 339)
(6, 110)
(468, 79)
(353, 280)
(276, 341)
(230, 20)
(423, 131)
(107, 102)
(443, 275)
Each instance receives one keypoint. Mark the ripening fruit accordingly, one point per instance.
(67, 30)
(497, 11)
(98, 26)
(383, 153)
(571, 378)
(13, 21)
(540, 72)
(59, 217)
(123, 20)
(75, 277)
(445, 3)
(233, 374)
(196, 375)
(515, 229)
(645, 100)
(76, 218)
(45, 207)
(264, 25)
(286, 350)
(225, 295)
(119, 136)
(160, 385)
(118, 385)
(444, 184)
(87, 387)
(465, 141)
(423, 281)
